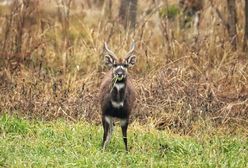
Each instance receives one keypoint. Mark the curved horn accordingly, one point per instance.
(130, 57)
(108, 50)
(131, 50)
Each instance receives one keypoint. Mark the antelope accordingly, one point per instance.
(117, 94)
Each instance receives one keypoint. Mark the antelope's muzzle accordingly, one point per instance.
(120, 73)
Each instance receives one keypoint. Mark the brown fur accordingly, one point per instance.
(105, 93)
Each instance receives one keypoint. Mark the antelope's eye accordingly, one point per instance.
(125, 65)
(115, 65)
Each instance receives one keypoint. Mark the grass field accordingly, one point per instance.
(61, 143)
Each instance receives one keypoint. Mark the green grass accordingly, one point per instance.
(61, 143)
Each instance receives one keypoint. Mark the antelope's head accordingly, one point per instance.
(119, 66)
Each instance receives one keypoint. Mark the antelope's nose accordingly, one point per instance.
(119, 73)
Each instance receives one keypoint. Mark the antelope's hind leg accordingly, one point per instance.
(108, 130)
(124, 125)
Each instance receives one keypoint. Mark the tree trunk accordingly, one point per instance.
(127, 13)
(232, 21)
(246, 27)
(108, 9)
(132, 13)
(123, 12)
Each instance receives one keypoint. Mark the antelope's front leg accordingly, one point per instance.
(124, 125)
(108, 130)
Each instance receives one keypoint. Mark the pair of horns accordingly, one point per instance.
(130, 52)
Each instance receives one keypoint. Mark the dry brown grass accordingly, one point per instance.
(180, 82)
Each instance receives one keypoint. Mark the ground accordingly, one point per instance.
(62, 143)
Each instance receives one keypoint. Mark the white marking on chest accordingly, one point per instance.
(119, 86)
(117, 104)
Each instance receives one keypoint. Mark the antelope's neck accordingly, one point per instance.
(118, 94)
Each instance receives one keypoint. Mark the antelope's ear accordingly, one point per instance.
(130, 59)
(109, 56)
(109, 60)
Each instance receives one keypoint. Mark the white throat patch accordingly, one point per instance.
(117, 104)
(119, 86)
